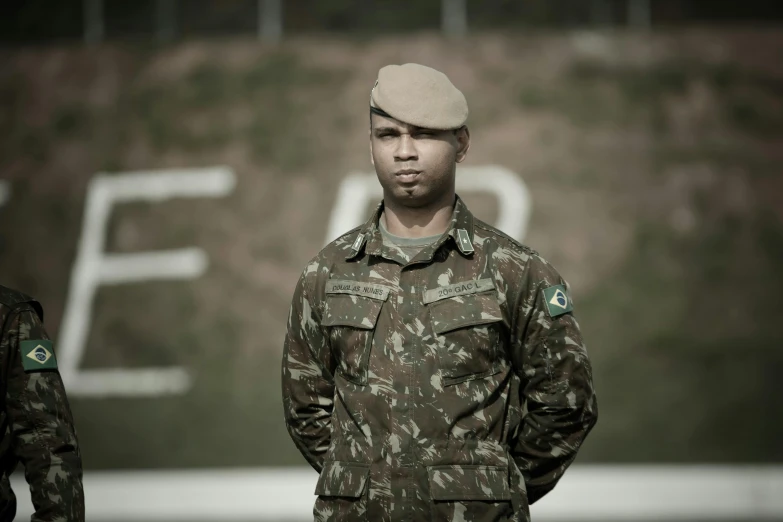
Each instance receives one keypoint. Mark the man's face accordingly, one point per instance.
(415, 166)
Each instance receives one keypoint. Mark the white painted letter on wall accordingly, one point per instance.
(94, 267)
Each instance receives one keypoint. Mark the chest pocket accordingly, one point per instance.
(351, 312)
(468, 331)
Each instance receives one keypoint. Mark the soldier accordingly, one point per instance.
(35, 418)
(433, 368)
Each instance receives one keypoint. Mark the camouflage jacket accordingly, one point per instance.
(35, 418)
(455, 386)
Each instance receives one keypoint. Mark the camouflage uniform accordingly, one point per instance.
(452, 387)
(35, 418)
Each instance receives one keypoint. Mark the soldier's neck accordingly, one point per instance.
(418, 222)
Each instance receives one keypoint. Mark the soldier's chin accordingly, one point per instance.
(414, 197)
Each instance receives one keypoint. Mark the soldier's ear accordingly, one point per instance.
(463, 142)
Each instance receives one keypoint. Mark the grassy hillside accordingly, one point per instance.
(655, 169)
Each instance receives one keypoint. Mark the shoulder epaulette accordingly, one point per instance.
(493, 230)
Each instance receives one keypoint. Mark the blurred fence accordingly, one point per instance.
(165, 20)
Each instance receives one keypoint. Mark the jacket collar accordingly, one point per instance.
(369, 239)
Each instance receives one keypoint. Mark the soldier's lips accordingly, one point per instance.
(407, 176)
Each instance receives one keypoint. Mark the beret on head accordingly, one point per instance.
(420, 96)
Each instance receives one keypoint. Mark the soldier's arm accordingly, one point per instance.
(308, 383)
(556, 381)
(43, 434)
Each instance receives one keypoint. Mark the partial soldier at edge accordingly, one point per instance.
(35, 419)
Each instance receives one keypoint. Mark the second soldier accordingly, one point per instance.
(35, 417)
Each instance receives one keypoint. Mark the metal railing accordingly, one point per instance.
(454, 18)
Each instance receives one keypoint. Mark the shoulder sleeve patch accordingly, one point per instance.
(37, 355)
(557, 301)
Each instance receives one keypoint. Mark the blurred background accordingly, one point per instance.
(167, 168)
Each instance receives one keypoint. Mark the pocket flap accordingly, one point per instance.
(351, 310)
(469, 482)
(342, 479)
(458, 312)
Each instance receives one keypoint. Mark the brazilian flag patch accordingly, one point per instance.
(557, 301)
(38, 355)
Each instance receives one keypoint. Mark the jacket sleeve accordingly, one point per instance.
(556, 376)
(42, 429)
(307, 378)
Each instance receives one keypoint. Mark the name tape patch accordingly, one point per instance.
(37, 355)
(371, 290)
(458, 289)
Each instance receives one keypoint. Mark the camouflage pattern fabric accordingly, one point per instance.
(443, 388)
(35, 418)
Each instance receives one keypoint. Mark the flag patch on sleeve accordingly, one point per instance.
(38, 355)
(557, 301)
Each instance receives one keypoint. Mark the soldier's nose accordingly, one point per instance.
(406, 149)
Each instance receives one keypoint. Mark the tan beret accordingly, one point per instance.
(420, 96)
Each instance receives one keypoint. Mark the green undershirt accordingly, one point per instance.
(409, 246)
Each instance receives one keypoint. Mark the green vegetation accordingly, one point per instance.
(263, 107)
(690, 359)
(595, 92)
